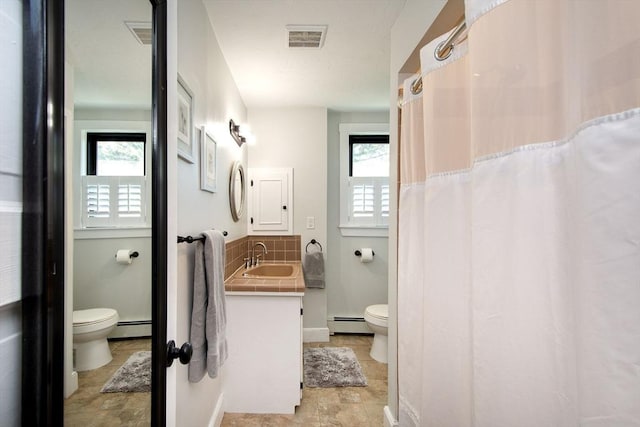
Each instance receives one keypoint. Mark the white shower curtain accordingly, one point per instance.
(519, 221)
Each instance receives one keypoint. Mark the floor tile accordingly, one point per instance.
(87, 407)
(340, 406)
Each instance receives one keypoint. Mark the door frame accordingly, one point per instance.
(42, 234)
(43, 218)
(159, 238)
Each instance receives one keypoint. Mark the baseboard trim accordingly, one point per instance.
(218, 412)
(389, 419)
(315, 335)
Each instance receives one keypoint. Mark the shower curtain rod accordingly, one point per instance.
(443, 51)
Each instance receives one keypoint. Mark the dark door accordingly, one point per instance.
(32, 212)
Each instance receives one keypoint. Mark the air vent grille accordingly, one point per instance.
(309, 36)
(142, 31)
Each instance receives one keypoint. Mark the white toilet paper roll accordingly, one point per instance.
(123, 256)
(366, 255)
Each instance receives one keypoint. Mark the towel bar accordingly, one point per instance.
(190, 239)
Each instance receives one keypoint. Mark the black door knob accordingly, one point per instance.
(183, 353)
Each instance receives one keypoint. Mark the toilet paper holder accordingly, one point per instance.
(133, 254)
(358, 253)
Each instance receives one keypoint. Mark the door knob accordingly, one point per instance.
(183, 353)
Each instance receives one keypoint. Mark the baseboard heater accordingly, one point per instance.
(134, 322)
(347, 319)
(132, 329)
(348, 325)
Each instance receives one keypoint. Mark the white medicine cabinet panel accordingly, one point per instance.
(270, 204)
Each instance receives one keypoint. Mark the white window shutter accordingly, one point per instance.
(368, 201)
(114, 201)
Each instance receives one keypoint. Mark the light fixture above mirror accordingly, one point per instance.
(234, 130)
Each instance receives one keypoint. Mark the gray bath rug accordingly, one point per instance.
(332, 367)
(133, 376)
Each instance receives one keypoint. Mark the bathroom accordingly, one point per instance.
(100, 281)
(311, 136)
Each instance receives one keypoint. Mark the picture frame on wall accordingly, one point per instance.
(186, 139)
(208, 161)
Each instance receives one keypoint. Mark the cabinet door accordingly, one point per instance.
(270, 208)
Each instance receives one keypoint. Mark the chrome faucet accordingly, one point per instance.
(254, 257)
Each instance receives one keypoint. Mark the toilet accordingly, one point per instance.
(377, 317)
(90, 330)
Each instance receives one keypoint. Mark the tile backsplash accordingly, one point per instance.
(279, 248)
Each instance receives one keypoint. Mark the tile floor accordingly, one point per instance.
(344, 406)
(87, 407)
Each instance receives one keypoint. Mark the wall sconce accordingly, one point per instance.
(234, 130)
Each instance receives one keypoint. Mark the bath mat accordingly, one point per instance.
(332, 367)
(133, 376)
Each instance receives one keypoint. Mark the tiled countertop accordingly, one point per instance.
(295, 284)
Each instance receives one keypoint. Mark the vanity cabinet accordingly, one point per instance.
(263, 373)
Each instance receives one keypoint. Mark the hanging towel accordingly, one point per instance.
(313, 270)
(208, 315)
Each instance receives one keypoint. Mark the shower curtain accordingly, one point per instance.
(519, 221)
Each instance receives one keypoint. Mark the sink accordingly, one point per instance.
(271, 271)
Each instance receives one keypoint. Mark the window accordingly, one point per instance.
(116, 154)
(114, 187)
(364, 205)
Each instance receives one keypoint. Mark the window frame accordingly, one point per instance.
(85, 227)
(92, 147)
(347, 227)
(365, 139)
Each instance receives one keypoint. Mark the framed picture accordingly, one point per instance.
(207, 161)
(186, 140)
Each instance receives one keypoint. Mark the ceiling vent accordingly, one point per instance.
(142, 31)
(307, 35)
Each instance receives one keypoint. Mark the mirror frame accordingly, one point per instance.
(43, 226)
(237, 211)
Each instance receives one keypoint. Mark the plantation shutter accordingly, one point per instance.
(368, 200)
(114, 201)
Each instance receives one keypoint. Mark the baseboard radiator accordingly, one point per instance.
(347, 325)
(132, 329)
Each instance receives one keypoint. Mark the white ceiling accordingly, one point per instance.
(350, 73)
(111, 68)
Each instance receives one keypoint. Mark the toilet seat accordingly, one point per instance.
(93, 319)
(378, 311)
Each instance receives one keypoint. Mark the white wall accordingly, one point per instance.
(10, 211)
(351, 285)
(297, 138)
(98, 281)
(70, 376)
(412, 23)
(193, 51)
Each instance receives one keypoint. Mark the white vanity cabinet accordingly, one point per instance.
(263, 373)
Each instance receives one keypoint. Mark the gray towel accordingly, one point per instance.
(208, 315)
(313, 270)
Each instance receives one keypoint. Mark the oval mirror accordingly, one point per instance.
(236, 191)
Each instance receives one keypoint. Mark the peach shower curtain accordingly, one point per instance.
(519, 221)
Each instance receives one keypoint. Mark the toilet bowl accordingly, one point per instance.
(90, 330)
(377, 317)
